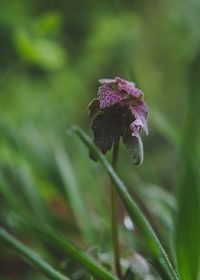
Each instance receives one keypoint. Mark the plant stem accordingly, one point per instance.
(115, 231)
(142, 224)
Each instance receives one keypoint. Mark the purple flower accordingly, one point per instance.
(140, 112)
(109, 96)
(118, 111)
(124, 93)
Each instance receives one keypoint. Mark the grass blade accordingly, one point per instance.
(187, 229)
(72, 191)
(30, 256)
(135, 213)
(165, 127)
(62, 244)
(30, 190)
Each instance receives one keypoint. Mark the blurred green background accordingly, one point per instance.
(52, 54)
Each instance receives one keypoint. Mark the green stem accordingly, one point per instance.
(142, 224)
(115, 230)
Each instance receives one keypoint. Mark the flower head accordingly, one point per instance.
(118, 111)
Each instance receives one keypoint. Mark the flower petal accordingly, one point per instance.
(136, 126)
(128, 87)
(109, 97)
(140, 111)
(107, 81)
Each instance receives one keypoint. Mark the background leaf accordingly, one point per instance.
(187, 234)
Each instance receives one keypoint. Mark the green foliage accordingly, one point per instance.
(72, 191)
(187, 238)
(30, 256)
(39, 51)
(135, 213)
(52, 54)
(65, 246)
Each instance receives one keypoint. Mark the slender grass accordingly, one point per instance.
(187, 223)
(72, 191)
(165, 127)
(56, 240)
(30, 256)
(134, 211)
(59, 242)
(31, 193)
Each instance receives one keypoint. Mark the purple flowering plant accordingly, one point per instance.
(119, 111)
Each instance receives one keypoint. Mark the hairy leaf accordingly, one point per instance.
(134, 147)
